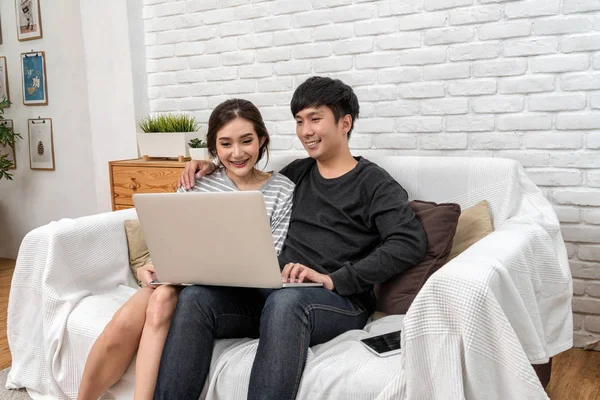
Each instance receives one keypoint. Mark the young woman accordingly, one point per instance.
(238, 137)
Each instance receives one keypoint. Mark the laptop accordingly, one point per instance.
(220, 238)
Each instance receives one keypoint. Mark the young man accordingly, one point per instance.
(351, 227)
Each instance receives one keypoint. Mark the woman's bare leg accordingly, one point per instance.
(158, 319)
(114, 349)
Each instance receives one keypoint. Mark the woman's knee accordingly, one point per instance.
(161, 305)
(126, 323)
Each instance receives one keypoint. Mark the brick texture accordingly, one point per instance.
(501, 78)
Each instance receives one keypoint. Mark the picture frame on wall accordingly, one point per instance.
(29, 19)
(4, 92)
(33, 76)
(0, 28)
(41, 144)
(10, 150)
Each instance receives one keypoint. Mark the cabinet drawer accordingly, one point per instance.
(130, 180)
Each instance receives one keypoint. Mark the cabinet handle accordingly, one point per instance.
(133, 185)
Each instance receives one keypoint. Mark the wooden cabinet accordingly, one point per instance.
(138, 176)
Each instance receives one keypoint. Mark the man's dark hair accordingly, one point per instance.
(321, 91)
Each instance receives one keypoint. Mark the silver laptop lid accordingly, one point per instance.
(219, 238)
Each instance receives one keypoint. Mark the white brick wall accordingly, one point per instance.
(517, 79)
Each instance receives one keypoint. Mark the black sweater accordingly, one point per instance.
(357, 228)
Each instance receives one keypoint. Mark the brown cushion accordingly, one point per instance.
(439, 222)
(138, 252)
(473, 225)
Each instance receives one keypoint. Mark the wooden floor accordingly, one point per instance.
(575, 373)
(6, 270)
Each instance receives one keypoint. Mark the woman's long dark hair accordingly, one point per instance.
(229, 110)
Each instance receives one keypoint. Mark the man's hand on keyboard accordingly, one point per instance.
(294, 272)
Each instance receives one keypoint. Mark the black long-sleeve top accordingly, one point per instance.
(357, 228)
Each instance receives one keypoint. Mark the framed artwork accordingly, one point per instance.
(29, 20)
(10, 150)
(34, 83)
(41, 145)
(3, 80)
(0, 30)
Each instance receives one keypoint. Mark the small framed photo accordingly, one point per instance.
(3, 80)
(29, 20)
(41, 145)
(10, 150)
(33, 72)
(0, 30)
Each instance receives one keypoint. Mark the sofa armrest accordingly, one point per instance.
(58, 265)
(531, 263)
(88, 253)
(481, 320)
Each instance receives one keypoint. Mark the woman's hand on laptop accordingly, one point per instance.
(186, 180)
(145, 274)
(294, 272)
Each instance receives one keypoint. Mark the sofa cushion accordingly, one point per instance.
(473, 225)
(341, 368)
(439, 222)
(138, 252)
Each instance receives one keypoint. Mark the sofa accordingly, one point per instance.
(473, 331)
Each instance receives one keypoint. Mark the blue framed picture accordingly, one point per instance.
(35, 86)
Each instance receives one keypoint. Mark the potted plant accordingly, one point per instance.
(198, 149)
(7, 140)
(166, 135)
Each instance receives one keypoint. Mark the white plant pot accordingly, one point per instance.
(199, 154)
(168, 144)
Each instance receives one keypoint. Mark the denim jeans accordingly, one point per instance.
(287, 321)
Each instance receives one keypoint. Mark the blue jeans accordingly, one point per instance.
(288, 321)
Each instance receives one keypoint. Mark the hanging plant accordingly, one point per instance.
(7, 139)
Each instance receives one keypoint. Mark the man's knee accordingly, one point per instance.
(284, 304)
(190, 297)
(195, 298)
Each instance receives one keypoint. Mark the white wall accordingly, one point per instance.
(91, 103)
(110, 81)
(517, 79)
(35, 198)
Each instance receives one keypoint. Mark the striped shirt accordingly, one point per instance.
(278, 192)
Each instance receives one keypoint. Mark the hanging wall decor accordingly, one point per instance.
(29, 20)
(41, 145)
(4, 94)
(34, 83)
(0, 30)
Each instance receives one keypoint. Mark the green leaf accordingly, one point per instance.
(196, 143)
(169, 123)
(5, 165)
(7, 138)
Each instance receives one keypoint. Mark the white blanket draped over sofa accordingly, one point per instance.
(472, 331)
